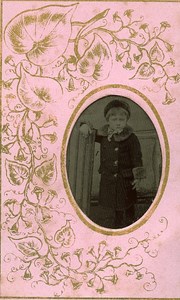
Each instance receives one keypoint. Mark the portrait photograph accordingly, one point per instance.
(114, 162)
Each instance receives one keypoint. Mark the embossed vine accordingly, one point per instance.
(43, 36)
(76, 54)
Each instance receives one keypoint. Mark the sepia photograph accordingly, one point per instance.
(114, 162)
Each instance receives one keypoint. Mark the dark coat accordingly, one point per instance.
(118, 159)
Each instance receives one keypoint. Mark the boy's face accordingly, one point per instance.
(117, 121)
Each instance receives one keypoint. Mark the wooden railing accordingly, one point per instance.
(80, 158)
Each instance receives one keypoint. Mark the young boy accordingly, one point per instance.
(120, 162)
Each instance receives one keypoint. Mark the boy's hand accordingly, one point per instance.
(136, 184)
(85, 130)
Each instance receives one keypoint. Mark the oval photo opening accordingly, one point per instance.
(114, 162)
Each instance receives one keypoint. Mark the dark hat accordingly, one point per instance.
(116, 104)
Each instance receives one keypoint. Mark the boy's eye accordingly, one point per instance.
(117, 119)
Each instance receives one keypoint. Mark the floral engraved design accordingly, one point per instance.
(48, 69)
(76, 54)
(97, 267)
(42, 34)
(98, 55)
(34, 92)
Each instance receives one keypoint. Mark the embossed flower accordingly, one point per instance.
(128, 64)
(169, 47)
(165, 25)
(51, 195)
(76, 284)
(144, 27)
(133, 33)
(137, 58)
(7, 84)
(78, 252)
(116, 17)
(5, 149)
(47, 263)
(139, 276)
(176, 78)
(51, 137)
(45, 214)
(9, 61)
(119, 57)
(38, 191)
(6, 129)
(168, 99)
(91, 251)
(128, 13)
(171, 62)
(20, 156)
(27, 275)
(100, 290)
(13, 206)
(14, 229)
(114, 279)
(128, 273)
(45, 276)
(52, 121)
(71, 86)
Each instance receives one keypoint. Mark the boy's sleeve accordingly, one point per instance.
(98, 137)
(136, 158)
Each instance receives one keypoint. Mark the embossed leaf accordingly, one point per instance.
(42, 34)
(65, 235)
(156, 53)
(28, 246)
(145, 71)
(16, 173)
(96, 61)
(47, 171)
(34, 92)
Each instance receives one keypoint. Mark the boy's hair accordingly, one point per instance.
(117, 111)
(116, 105)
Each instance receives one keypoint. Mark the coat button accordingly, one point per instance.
(116, 149)
(115, 163)
(115, 175)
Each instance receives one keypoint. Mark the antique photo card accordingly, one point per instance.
(89, 150)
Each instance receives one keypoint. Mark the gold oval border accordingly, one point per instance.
(143, 220)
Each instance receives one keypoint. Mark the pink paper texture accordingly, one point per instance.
(57, 59)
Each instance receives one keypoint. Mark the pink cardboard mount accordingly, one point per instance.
(62, 62)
